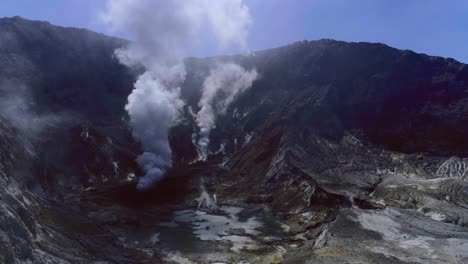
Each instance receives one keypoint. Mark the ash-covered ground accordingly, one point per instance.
(338, 153)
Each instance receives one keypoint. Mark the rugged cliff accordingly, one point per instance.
(339, 152)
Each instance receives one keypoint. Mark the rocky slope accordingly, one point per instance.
(339, 153)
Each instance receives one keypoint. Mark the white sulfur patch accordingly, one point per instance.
(420, 242)
(205, 200)
(115, 165)
(241, 242)
(321, 240)
(285, 227)
(155, 238)
(436, 216)
(408, 247)
(131, 176)
(381, 202)
(210, 227)
(248, 137)
(307, 216)
(454, 167)
(177, 258)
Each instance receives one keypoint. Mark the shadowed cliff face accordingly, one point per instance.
(65, 91)
(398, 99)
(331, 137)
(67, 69)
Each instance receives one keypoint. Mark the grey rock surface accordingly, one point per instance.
(339, 153)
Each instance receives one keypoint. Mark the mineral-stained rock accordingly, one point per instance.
(339, 153)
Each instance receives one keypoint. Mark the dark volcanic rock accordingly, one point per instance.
(67, 69)
(399, 99)
(340, 152)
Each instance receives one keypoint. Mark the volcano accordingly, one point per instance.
(338, 153)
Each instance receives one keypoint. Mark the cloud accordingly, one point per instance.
(225, 82)
(164, 33)
(17, 106)
(152, 109)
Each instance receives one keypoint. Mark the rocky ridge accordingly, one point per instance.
(340, 152)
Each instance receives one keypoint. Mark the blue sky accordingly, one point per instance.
(436, 27)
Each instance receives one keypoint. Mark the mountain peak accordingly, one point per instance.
(22, 20)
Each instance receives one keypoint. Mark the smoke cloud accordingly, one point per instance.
(153, 108)
(16, 106)
(164, 33)
(220, 88)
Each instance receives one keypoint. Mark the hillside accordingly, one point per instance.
(339, 152)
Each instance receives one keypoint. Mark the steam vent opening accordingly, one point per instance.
(198, 131)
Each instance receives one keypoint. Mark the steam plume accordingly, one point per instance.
(220, 88)
(16, 105)
(164, 32)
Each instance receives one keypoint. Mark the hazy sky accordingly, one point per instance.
(436, 27)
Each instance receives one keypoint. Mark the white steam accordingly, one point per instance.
(164, 33)
(220, 88)
(153, 108)
(16, 105)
